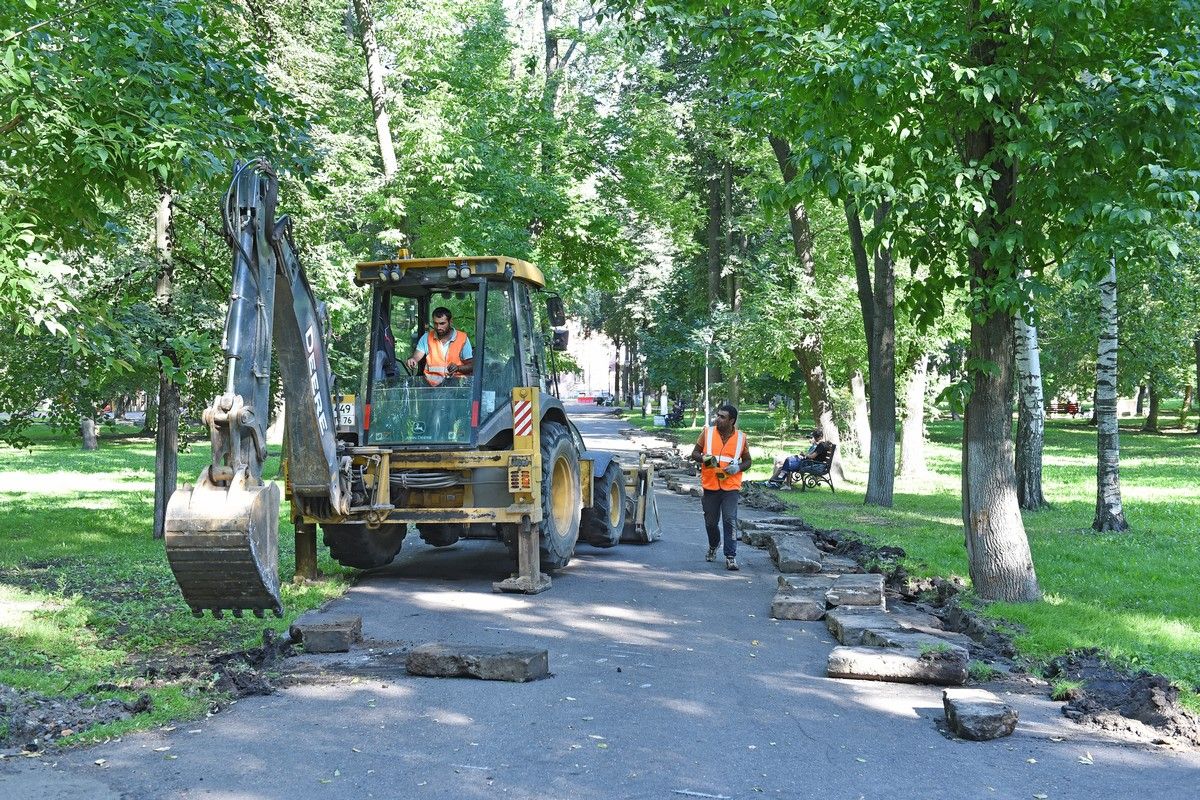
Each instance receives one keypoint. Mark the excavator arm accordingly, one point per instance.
(222, 534)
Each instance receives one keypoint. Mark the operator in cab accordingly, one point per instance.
(447, 352)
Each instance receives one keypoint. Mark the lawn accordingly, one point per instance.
(86, 596)
(1131, 594)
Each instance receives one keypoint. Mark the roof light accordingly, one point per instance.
(452, 273)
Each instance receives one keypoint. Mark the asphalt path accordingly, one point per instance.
(669, 680)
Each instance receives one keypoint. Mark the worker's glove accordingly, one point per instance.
(734, 468)
(709, 461)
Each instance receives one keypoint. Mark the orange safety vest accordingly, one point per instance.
(726, 451)
(441, 356)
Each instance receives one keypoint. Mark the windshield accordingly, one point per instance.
(431, 403)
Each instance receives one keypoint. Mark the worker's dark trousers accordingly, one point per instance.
(722, 503)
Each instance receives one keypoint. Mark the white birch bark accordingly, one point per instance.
(375, 86)
(912, 431)
(1031, 419)
(1110, 516)
(862, 422)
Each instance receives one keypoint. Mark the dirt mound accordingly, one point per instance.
(754, 496)
(32, 721)
(1115, 699)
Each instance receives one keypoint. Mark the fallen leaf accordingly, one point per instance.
(171, 757)
(337, 773)
(602, 746)
(162, 749)
(355, 749)
(1031, 760)
(754, 642)
(1056, 738)
(1086, 758)
(1040, 796)
(326, 780)
(860, 760)
(100, 762)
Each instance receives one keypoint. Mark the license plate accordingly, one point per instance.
(345, 411)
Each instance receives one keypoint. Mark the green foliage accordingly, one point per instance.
(1064, 689)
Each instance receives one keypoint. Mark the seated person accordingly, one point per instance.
(446, 354)
(815, 461)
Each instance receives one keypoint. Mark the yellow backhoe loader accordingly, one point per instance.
(484, 452)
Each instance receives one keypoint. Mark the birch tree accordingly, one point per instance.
(376, 89)
(1031, 418)
(1110, 516)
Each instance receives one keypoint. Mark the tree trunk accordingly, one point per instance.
(375, 86)
(1031, 419)
(1151, 423)
(87, 429)
(912, 432)
(1110, 516)
(1196, 344)
(998, 555)
(862, 423)
(166, 439)
(809, 350)
(1141, 400)
(877, 299)
(1183, 408)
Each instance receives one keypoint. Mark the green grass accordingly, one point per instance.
(86, 595)
(1131, 594)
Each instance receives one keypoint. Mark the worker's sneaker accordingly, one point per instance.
(711, 555)
(731, 564)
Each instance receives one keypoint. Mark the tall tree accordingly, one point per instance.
(166, 441)
(1110, 516)
(877, 299)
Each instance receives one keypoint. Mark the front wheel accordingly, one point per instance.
(560, 496)
(603, 523)
(353, 544)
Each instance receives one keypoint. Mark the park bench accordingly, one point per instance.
(811, 480)
(1057, 407)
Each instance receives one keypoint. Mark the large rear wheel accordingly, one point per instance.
(560, 496)
(353, 544)
(602, 524)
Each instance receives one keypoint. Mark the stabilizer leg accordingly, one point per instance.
(529, 578)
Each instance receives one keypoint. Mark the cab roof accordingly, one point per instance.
(396, 270)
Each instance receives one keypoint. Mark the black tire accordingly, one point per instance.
(353, 544)
(560, 497)
(439, 534)
(602, 524)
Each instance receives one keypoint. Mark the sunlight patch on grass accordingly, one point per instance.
(70, 483)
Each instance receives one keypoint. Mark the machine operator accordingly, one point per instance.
(447, 353)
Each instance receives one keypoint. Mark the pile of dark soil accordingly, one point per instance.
(1121, 700)
(32, 722)
(754, 496)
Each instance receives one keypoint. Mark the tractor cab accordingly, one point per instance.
(495, 332)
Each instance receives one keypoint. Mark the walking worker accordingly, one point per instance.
(447, 354)
(723, 454)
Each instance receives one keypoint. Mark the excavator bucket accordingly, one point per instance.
(223, 546)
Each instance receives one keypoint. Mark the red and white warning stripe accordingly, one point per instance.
(522, 418)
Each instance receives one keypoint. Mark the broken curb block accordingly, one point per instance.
(755, 538)
(327, 635)
(478, 661)
(794, 553)
(798, 605)
(805, 583)
(902, 665)
(847, 623)
(978, 715)
(909, 639)
(840, 564)
(914, 637)
(856, 590)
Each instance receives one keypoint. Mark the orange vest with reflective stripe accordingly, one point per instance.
(726, 451)
(441, 356)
